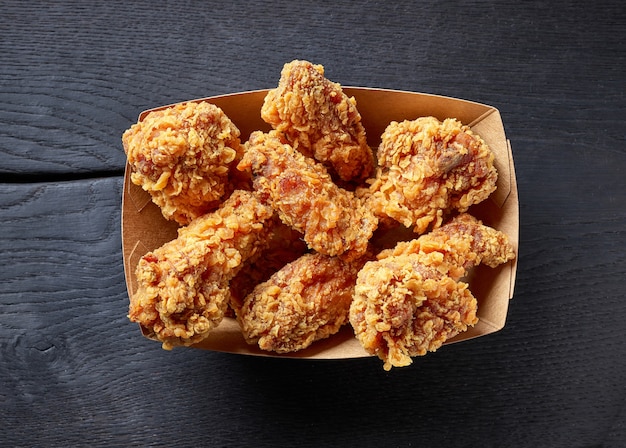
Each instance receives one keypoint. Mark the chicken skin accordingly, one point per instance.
(333, 221)
(307, 300)
(428, 168)
(319, 120)
(411, 300)
(183, 288)
(182, 156)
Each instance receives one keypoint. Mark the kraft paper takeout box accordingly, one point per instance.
(145, 229)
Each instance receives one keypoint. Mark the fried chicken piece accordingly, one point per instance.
(404, 307)
(428, 168)
(183, 290)
(411, 300)
(464, 242)
(319, 120)
(333, 220)
(307, 300)
(182, 156)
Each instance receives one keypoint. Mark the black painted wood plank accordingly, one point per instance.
(68, 350)
(75, 75)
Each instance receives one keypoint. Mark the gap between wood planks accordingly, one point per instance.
(28, 178)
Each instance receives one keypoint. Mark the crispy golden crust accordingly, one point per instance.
(284, 246)
(333, 220)
(305, 301)
(464, 242)
(411, 301)
(427, 168)
(182, 288)
(181, 156)
(319, 120)
(404, 308)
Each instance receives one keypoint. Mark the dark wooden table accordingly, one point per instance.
(75, 372)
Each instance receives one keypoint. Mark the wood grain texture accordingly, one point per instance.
(75, 372)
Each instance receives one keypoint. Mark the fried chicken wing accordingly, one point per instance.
(307, 300)
(464, 242)
(182, 156)
(333, 220)
(411, 300)
(428, 168)
(319, 120)
(183, 288)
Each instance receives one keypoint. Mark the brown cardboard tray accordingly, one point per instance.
(145, 229)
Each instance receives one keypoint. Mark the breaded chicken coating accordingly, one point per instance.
(411, 300)
(428, 168)
(319, 120)
(307, 300)
(284, 246)
(464, 242)
(333, 220)
(182, 155)
(183, 289)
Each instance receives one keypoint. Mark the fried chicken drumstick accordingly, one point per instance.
(182, 155)
(333, 220)
(307, 300)
(428, 168)
(319, 120)
(183, 289)
(411, 299)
